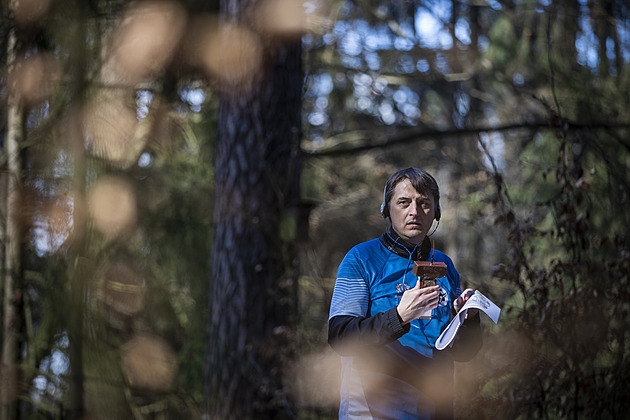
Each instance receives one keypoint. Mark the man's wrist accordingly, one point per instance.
(396, 322)
(403, 322)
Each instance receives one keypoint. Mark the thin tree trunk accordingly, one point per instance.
(11, 242)
(77, 267)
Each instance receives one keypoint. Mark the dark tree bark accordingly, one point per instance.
(257, 177)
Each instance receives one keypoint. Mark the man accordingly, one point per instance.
(390, 367)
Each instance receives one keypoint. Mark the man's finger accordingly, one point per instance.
(431, 289)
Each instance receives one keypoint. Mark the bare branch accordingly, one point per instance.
(374, 140)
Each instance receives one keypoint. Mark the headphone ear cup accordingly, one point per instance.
(384, 208)
(438, 213)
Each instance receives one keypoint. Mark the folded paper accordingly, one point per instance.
(477, 301)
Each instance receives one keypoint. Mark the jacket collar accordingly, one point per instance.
(394, 243)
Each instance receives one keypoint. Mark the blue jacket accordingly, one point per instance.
(390, 371)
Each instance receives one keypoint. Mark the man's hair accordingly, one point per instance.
(420, 179)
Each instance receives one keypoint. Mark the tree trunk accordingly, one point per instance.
(78, 270)
(257, 178)
(11, 242)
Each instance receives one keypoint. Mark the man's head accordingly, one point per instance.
(411, 201)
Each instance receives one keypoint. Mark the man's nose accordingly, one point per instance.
(413, 208)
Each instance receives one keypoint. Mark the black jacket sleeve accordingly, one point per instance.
(348, 334)
(468, 340)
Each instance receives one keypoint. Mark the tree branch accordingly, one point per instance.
(370, 139)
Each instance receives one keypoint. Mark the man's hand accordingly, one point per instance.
(461, 301)
(416, 301)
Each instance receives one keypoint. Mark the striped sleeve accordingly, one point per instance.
(351, 294)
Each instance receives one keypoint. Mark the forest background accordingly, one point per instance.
(181, 179)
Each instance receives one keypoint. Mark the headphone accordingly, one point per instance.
(385, 207)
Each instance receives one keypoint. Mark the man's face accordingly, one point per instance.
(411, 213)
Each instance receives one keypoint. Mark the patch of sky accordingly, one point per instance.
(329, 39)
(441, 62)
(518, 79)
(317, 118)
(362, 85)
(63, 165)
(403, 44)
(193, 97)
(610, 54)
(40, 383)
(37, 115)
(494, 154)
(483, 43)
(351, 62)
(407, 102)
(458, 119)
(441, 9)
(362, 79)
(364, 103)
(321, 103)
(143, 101)
(462, 103)
(308, 41)
(340, 80)
(406, 64)
(374, 42)
(340, 28)
(586, 42)
(427, 27)
(323, 84)
(59, 363)
(362, 27)
(382, 10)
(350, 44)
(411, 111)
(406, 30)
(310, 7)
(446, 40)
(362, 90)
(373, 61)
(423, 65)
(319, 88)
(430, 30)
(610, 48)
(45, 240)
(145, 160)
(379, 85)
(318, 85)
(386, 112)
(623, 34)
(400, 96)
(495, 5)
(462, 31)
(63, 340)
(346, 8)
(352, 37)
(586, 46)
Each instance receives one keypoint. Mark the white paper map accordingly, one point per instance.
(477, 301)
